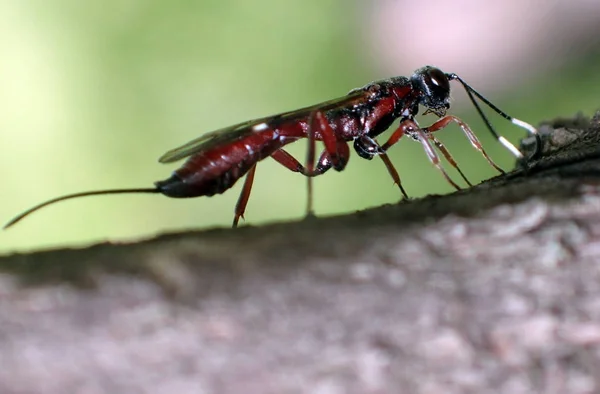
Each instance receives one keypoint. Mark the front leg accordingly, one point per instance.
(446, 120)
(411, 128)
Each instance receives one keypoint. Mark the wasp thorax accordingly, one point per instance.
(434, 87)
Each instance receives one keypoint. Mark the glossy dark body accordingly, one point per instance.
(230, 153)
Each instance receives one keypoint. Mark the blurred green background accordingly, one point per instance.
(91, 94)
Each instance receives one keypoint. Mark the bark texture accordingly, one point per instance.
(495, 289)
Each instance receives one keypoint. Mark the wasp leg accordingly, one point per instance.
(394, 174)
(410, 127)
(446, 120)
(368, 147)
(289, 162)
(448, 156)
(336, 154)
(240, 206)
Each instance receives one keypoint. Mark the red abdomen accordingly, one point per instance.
(217, 169)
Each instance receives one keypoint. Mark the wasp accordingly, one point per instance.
(218, 159)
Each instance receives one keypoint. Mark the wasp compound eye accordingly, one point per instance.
(437, 81)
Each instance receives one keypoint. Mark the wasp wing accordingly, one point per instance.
(210, 140)
(236, 132)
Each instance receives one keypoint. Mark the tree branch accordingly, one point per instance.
(492, 289)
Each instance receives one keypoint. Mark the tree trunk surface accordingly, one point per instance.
(494, 289)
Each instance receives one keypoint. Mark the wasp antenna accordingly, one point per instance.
(517, 122)
(28, 212)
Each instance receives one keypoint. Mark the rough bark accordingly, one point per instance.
(495, 289)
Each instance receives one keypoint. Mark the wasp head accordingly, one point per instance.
(434, 87)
